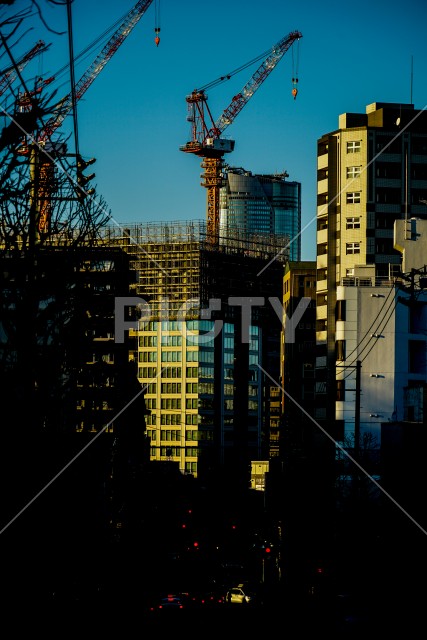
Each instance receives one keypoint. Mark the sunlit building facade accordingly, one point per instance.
(202, 366)
(371, 171)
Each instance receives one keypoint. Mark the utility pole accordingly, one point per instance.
(357, 412)
(358, 367)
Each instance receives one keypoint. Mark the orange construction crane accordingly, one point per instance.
(64, 106)
(9, 75)
(45, 167)
(206, 141)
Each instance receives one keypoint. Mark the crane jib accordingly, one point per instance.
(64, 106)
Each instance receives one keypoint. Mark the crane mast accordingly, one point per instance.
(206, 141)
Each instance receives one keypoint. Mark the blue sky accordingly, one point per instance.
(133, 117)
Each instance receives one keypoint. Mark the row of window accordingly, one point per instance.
(192, 325)
(196, 372)
(176, 356)
(172, 419)
(175, 403)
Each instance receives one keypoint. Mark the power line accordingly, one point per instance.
(373, 340)
(368, 331)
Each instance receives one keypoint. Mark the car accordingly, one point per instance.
(237, 595)
(171, 602)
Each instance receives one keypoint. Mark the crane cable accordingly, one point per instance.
(157, 21)
(295, 66)
(229, 75)
(72, 77)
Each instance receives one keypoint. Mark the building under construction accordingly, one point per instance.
(201, 357)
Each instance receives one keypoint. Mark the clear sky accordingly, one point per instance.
(132, 119)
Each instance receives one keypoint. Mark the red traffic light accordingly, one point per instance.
(267, 550)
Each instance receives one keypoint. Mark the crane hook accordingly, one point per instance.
(157, 38)
(295, 90)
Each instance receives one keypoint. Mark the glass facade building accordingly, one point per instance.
(262, 204)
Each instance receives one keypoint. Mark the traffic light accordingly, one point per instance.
(82, 180)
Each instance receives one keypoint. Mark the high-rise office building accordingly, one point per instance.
(205, 341)
(371, 171)
(263, 205)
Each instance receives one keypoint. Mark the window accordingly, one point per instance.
(389, 170)
(308, 370)
(192, 452)
(352, 223)
(191, 387)
(206, 387)
(206, 372)
(171, 372)
(354, 146)
(171, 341)
(417, 356)
(167, 435)
(147, 341)
(171, 356)
(170, 418)
(192, 435)
(384, 246)
(353, 172)
(340, 310)
(147, 372)
(170, 403)
(147, 356)
(352, 197)
(171, 387)
(169, 452)
(352, 247)
(192, 356)
(388, 195)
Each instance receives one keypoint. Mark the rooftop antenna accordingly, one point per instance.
(412, 76)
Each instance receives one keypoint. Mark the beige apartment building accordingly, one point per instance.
(371, 171)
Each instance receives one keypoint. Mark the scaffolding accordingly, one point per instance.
(168, 259)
